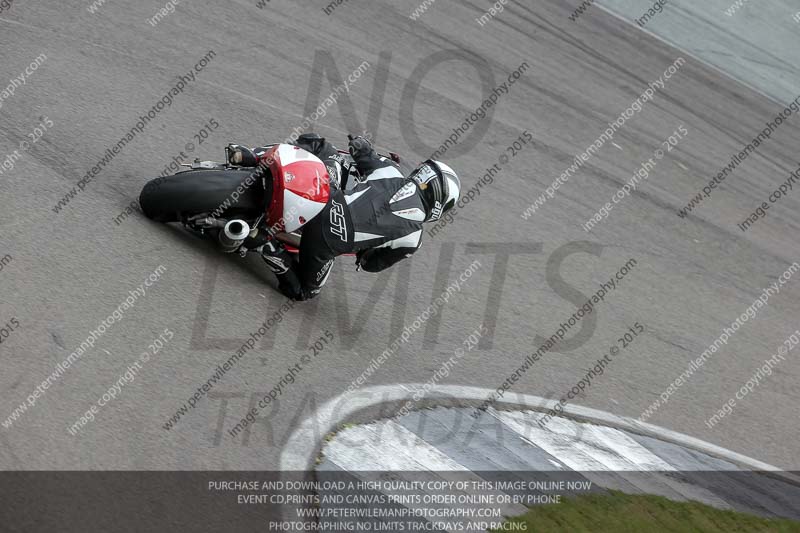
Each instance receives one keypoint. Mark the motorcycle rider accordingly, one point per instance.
(380, 219)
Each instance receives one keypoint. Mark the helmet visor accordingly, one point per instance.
(452, 188)
(430, 180)
(424, 174)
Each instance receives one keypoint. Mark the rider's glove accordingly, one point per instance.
(242, 156)
(359, 147)
(311, 142)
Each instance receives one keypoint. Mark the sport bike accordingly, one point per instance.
(289, 187)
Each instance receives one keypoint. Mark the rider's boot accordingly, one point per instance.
(281, 263)
(258, 237)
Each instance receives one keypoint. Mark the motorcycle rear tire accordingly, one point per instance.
(172, 198)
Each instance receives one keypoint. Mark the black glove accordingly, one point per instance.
(311, 142)
(359, 147)
(242, 156)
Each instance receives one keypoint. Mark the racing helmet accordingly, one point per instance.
(440, 188)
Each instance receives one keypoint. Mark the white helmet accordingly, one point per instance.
(440, 188)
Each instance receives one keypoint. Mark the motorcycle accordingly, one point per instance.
(288, 188)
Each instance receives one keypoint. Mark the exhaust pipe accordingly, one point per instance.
(233, 235)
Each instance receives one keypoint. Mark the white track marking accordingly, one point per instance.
(387, 446)
(390, 446)
(620, 442)
(560, 445)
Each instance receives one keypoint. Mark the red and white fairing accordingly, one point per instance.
(300, 187)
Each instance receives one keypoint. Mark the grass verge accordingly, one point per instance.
(618, 512)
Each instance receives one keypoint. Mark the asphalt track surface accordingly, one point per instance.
(70, 270)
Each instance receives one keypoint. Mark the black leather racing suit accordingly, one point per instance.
(380, 220)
